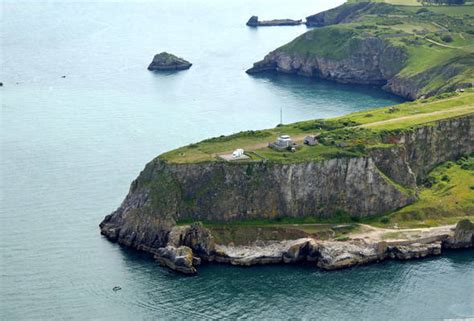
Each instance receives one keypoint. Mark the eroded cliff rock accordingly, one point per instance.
(369, 60)
(463, 236)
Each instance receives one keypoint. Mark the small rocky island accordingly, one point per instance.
(254, 22)
(167, 61)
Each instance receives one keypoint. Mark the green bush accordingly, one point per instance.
(389, 22)
(430, 181)
(422, 10)
(447, 38)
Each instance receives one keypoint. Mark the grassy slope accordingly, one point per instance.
(362, 128)
(422, 35)
(448, 196)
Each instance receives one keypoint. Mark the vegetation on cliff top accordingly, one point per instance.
(349, 135)
(438, 40)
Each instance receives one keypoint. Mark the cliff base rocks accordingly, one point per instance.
(187, 246)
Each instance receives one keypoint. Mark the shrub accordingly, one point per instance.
(447, 38)
(389, 22)
(385, 220)
(430, 181)
(422, 10)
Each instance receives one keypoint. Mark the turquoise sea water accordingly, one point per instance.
(71, 146)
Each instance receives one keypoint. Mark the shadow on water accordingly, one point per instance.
(315, 88)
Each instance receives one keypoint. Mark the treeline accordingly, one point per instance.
(442, 2)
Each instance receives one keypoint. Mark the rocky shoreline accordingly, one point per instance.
(188, 246)
(373, 62)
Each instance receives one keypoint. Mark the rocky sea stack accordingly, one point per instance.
(167, 61)
(254, 22)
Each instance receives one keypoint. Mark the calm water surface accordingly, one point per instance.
(71, 146)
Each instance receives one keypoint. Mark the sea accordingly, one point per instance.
(81, 116)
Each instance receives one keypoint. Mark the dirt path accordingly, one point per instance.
(441, 45)
(439, 26)
(376, 234)
(469, 108)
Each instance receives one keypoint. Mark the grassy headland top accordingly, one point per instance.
(346, 136)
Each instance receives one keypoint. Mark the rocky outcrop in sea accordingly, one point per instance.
(254, 22)
(166, 61)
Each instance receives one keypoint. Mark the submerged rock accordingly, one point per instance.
(254, 22)
(167, 61)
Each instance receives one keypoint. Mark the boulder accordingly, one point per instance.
(339, 255)
(167, 61)
(463, 236)
(199, 239)
(177, 259)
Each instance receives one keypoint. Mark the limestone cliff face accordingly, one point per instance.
(222, 191)
(370, 60)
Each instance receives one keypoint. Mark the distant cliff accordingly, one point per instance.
(381, 44)
(222, 191)
(349, 59)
